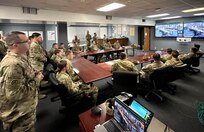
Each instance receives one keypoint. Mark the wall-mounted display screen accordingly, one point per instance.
(194, 29)
(169, 30)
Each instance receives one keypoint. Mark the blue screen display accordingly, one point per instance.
(140, 110)
(169, 30)
(194, 29)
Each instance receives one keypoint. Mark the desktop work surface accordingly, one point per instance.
(88, 121)
(88, 71)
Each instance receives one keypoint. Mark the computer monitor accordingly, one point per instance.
(127, 118)
(143, 112)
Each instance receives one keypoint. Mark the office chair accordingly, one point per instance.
(192, 63)
(124, 81)
(72, 102)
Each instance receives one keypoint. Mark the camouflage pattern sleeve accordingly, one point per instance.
(67, 81)
(37, 52)
(16, 84)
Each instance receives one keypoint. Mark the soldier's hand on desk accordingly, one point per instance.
(39, 76)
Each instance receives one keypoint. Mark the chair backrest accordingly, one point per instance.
(159, 76)
(193, 61)
(124, 81)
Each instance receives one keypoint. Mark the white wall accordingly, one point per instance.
(7, 12)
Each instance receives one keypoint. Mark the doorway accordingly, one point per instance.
(144, 38)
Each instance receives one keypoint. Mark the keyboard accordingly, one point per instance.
(111, 127)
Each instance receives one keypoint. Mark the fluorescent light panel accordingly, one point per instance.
(199, 14)
(110, 7)
(194, 10)
(158, 15)
(173, 17)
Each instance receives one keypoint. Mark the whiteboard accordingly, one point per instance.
(81, 32)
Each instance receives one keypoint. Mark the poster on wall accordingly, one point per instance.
(51, 35)
(31, 32)
(1, 32)
(132, 31)
(26, 33)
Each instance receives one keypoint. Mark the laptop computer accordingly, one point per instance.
(142, 111)
(124, 119)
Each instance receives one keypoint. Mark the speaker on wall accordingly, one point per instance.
(108, 17)
(143, 20)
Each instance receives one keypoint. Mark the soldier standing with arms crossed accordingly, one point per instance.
(18, 86)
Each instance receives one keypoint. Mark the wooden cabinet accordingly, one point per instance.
(122, 41)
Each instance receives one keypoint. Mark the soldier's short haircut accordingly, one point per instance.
(169, 50)
(62, 64)
(61, 43)
(156, 56)
(36, 35)
(13, 38)
(175, 53)
(197, 46)
(194, 49)
(54, 44)
(68, 52)
(123, 55)
(57, 51)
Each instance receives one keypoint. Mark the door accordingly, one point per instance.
(146, 39)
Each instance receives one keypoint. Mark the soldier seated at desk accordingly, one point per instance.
(116, 45)
(70, 70)
(74, 87)
(108, 46)
(52, 50)
(192, 53)
(149, 68)
(58, 56)
(167, 56)
(76, 48)
(175, 61)
(124, 65)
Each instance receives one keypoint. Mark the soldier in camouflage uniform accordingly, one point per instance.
(74, 87)
(116, 45)
(175, 61)
(76, 40)
(52, 50)
(124, 65)
(88, 39)
(192, 53)
(37, 55)
(58, 56)
(167, 56)
(149, 68)
(76, 47)
(18, 86)
(95, 38)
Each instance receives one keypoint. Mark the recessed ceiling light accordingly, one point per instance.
(173, 17)
(199, 14)
(158, 15)
(194, 10)
(110, 7)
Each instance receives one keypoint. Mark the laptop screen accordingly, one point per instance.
(126, 118)
(143, 112)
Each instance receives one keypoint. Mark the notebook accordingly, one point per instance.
(124, 119)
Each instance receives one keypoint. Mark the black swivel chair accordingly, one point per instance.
(72, 102)
(124, 81)
(193, 62)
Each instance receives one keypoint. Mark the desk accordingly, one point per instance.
(95, 53)
(88, 71)
(130, 47)
(88, 121)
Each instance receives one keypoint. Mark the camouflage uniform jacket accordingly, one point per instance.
(95, 39)
(37, 56)
(18, 88)
(149, 68)
(116, 45)
(173, 62)
(57, 59)
(124, 65)
(186, 56)
(88, 40)
(107, 46)
(52, 51)
(76, 48)
(65, 79)
(166, 57)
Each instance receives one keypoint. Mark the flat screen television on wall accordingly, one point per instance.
(169, 30)
(194, 29)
